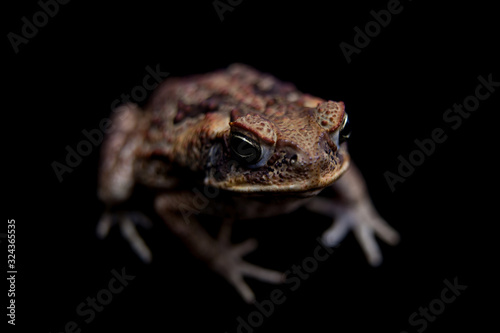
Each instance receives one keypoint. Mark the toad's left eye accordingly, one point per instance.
(246, 150)
(345, 129)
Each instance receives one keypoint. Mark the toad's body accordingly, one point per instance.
(238, 144)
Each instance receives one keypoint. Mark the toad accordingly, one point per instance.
(237, 144)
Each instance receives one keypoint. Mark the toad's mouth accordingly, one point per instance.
(295, 187)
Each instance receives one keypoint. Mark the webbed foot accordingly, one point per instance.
(127, 222)
(228, 262)
(362, 219)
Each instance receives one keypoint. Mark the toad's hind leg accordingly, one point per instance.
(116, 177)
(220, 255)
(118, 155)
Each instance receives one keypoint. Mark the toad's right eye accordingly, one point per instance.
(246, 150)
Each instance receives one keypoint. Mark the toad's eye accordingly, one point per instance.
(345, 129)
(246, 150)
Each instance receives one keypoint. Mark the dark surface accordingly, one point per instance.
(396, 90)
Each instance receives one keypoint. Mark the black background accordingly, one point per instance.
(396, 90)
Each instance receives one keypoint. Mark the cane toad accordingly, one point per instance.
(237, 144)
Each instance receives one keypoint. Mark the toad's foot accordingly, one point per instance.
(228, 263)
(219, 254)
(127, 222)
(363, 219)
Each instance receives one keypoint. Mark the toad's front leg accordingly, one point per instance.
(354, 210)
(220, 255)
